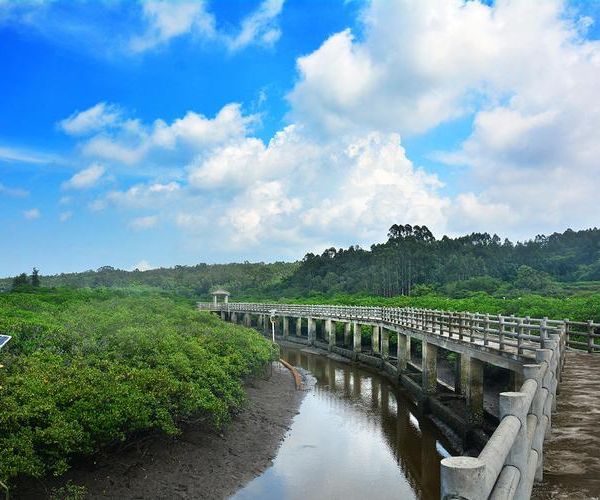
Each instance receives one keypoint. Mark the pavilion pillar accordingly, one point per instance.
(429, 368)
(357, 337)
(471, 381)
(330, 332)
(215, 300)
(375, 339)
(285, 321)
(385, 343)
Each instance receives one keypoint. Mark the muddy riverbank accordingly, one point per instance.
(198, 464)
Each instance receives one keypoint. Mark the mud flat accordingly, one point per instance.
(198, 464)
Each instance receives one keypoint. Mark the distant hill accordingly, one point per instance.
(190, 281)
(411, 262)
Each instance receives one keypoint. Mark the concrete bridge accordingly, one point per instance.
(530, 352)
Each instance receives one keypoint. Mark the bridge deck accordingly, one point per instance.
(572, 454)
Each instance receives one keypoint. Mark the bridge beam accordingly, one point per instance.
(375, 339)
(357, 337)
(385, 343)
(471, 381)
(429, 368)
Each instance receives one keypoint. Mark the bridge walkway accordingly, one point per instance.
(572, 453)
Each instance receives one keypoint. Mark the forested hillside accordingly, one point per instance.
(413, 262)
(189, 281)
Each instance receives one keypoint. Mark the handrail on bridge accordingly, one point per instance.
(516, 335)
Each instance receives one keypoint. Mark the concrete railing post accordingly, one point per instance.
(516, 404)
(462, 478)
(357, 337)
(429, 368)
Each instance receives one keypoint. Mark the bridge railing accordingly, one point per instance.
(512, 458)
(512, 334)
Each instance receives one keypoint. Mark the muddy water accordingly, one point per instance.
(355, 437)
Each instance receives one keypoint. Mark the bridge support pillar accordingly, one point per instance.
(357, 337)
(403, 352)
(429, 368)
(330, 332)
(347, 334)
(385, 343)
(223, 315)
(266, 324)
(312, 330)
(286, 326)
(471, 381)
(234, 317)
(247, 319)
(375, 340)
(516, 381)
(298, 327)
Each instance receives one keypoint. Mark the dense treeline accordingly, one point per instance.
(188, 281)
(87, 369)
(413, 262)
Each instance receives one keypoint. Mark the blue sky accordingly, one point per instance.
(162, 133)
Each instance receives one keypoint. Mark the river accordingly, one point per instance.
(355, 436)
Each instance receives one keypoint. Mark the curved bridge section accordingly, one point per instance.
(532, 350)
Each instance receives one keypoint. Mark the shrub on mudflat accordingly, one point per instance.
(86, 370)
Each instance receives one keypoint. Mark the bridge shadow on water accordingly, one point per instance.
(356, 436)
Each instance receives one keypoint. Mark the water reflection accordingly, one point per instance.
(355, 437)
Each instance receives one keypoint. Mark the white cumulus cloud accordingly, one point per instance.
(85, 178)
